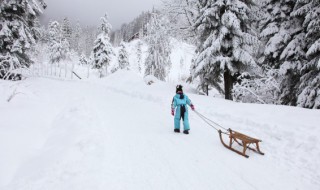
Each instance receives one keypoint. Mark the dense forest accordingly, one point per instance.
(266, 52)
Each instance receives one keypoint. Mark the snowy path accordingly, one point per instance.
(118, 135)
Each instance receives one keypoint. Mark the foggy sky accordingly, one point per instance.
(88, 12)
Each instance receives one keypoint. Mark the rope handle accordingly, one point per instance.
(207, 120)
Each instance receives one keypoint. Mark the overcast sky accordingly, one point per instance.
(88, 12)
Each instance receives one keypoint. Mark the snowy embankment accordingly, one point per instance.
(117, 133)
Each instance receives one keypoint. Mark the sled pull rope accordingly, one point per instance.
(207, 120)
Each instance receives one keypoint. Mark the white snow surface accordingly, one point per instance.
(117, 133)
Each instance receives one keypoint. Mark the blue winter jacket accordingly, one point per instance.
(177, 104)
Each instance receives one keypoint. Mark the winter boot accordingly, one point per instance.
(186, 132)
(177, 130)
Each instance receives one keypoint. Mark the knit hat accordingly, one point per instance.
(179, 88)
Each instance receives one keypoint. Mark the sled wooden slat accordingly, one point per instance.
(243, 140)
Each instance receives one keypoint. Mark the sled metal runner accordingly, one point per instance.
(246, 141)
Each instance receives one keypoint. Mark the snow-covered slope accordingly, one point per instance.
(117, 133)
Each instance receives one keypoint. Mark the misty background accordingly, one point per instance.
(88, 13)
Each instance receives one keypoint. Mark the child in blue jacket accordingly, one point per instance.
(179, 104)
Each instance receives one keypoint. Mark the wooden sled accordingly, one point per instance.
(246, 141)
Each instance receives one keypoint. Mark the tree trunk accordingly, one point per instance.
(207, 89)
(228, 84)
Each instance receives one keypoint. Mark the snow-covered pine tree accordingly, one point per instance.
(276, 29)
(83, 60)
(88, 37)
(114, 69)
(137, 27)
(103, 49)
(66, 30)
(158, 61)
(226, 38)
(141, 34)
(123, 57)
(58, 46)
(182, 15)
(283, 45)
(18, 32)
(76, 37)
(308, 91)
(139, 55)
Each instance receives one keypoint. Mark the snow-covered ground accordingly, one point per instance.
(117, 133)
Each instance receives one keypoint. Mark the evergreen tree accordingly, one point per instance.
(312, 25)
(102, 49)
(284, 46)
(289, 31)
(66, 30)
(182, 15)
(226, 38)
(158, 60)
(83, 60)
(18, 32)
(276, 28)
(127, 30)
(139, 55)
(58, 46)
(88, 37)
(76, 38)
(123, 57)
(308, 88)
(114, 69)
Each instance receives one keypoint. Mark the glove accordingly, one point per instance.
(172, 112)
(192, 107)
